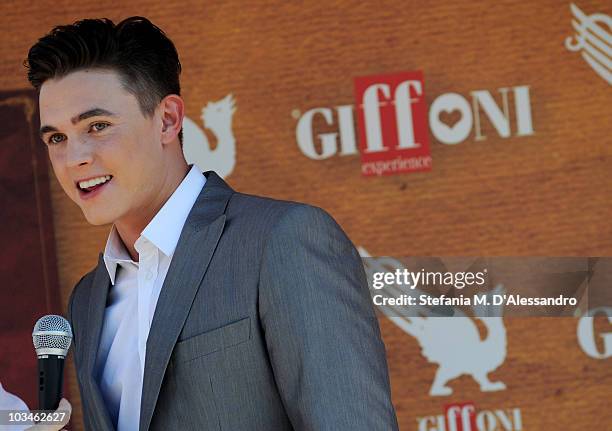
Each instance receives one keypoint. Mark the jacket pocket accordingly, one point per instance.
(213, 341)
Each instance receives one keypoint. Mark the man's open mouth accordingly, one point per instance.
(93, 184)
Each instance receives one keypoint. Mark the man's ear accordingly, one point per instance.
(172, 109)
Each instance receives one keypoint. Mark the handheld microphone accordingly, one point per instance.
(52, 336)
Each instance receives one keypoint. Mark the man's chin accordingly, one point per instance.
(98, 219)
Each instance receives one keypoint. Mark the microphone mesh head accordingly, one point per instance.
(52, 332)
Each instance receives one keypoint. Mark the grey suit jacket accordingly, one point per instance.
(264, 322)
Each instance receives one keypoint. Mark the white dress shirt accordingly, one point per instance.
(132, 300)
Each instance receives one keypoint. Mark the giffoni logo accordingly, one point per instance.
(216, 117)
(465, 417)
(452, 343)
(593, 39)
(393, 122)
(587, 337)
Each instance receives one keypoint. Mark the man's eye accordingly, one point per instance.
(56, 139)
(98, 127)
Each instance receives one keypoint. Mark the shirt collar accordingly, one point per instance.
(114, 254)
(165, 228)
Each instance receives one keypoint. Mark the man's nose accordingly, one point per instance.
(78, 153)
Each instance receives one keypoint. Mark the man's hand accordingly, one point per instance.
(64, 407)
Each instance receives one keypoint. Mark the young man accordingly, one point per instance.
(209, 309)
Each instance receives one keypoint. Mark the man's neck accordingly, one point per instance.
(129, 230)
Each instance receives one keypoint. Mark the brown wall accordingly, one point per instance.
(547, 194)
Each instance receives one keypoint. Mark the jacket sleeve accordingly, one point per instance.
(85, 280)
(321, 331)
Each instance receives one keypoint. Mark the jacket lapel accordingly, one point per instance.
(98, 292)
(193, 253)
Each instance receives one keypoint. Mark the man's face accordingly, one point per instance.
(104, 151)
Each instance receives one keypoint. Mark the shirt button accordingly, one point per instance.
(149, 275)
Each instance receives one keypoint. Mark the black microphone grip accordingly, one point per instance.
(50, 380)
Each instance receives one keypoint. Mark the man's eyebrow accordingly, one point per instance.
(95, 112)
(46, 129)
